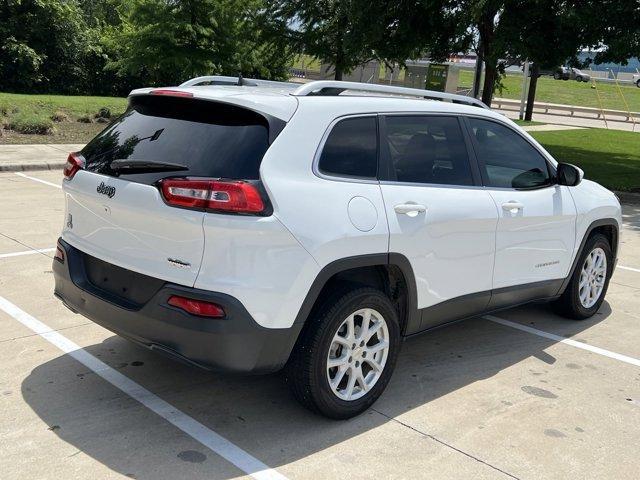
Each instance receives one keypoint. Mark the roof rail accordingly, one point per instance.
(331, 87)
(232, 81)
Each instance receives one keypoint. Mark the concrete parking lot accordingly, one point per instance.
(522, 394)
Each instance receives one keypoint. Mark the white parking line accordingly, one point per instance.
(20, 174)
(207, 437)
(27, 252)
(566, 341)
(629, 268)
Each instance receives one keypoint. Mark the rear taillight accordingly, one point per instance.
(234, 196)
(196, 307)
(74, 163)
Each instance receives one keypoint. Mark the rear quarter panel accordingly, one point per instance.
(259, 262)
(315, 209)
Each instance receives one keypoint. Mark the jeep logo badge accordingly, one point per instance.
(107, 190)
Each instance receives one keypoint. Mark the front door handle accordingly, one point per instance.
(410, 208)
(512, 206)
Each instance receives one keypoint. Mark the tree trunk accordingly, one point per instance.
(531, 97)
(490, 73)
(477, 76)
(339, 66)
(486, 30)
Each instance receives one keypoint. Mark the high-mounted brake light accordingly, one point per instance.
(196, 307)
(233, 196)
(75, 162)
(171, 93)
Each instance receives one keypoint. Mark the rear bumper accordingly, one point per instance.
(234, 344)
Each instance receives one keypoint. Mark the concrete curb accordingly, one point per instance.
(25, 167)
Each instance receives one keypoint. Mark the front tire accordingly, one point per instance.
(346, 355)
(638, 84)
(588, 286)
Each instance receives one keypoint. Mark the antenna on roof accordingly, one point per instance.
(240, 79)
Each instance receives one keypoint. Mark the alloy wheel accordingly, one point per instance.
(592, 277)
(358, 354)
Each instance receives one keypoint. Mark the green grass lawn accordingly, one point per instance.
(64, 119)
(609, 157)
(306, 62)
(567, 92)
(524, 123)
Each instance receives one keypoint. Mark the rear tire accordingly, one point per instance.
(578, 78)
(638, 84)
(588, 286)
(363, 366)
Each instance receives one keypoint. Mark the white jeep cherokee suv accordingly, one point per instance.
(264, 225)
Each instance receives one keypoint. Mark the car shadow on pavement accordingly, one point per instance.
(258, 413)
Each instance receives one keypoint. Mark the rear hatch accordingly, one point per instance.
(116, 209)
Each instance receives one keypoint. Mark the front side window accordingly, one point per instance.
(427, 149)
(508, 160)
(351, 149)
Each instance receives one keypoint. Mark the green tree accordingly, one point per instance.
(530, 27)
(43, 45)
(408, 29)
(618, 24)
(330, 30)
(98, 13)
(168, 42)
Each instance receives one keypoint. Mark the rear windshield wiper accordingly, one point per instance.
(123, 166)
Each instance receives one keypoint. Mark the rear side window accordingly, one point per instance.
(506, 159)
(351, 149)
(208, 139)
(427, 149)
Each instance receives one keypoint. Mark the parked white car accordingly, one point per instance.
(568, 73)
(262, 226)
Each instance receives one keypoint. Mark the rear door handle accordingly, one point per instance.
(409, 208)
(512, 206)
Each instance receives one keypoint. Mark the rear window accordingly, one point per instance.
(210, 139)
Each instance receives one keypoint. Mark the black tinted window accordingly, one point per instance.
(210, 139)
(351, 149)
(428, 149)
(509, 160)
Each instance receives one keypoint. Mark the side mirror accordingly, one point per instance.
(569, 175)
